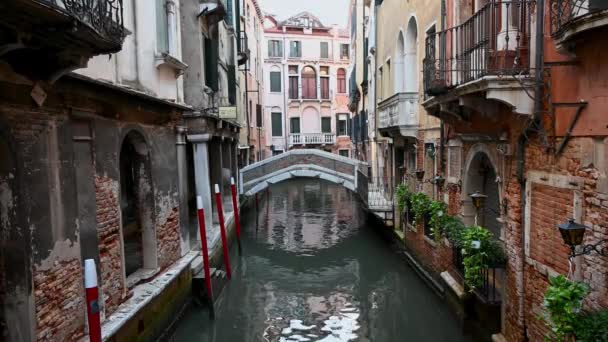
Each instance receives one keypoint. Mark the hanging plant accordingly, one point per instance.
(563, 302)
(420, 206)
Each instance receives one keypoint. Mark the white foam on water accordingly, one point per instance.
(296, 324)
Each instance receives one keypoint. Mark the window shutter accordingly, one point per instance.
(258, 115)
(280, 48)
(211, 66)
(277, 125)
(270, 52)
(232, 84)
(162, 41)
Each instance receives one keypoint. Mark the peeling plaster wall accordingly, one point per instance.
(51, 219)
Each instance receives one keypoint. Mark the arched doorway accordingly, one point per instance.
(400, 64)
(137, 204)
(411, 61)
(481, 176)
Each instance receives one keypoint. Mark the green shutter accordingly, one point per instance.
(324, 50)
(211, 63)
(277, 124)
(232, 84)
(162, 41)
(275, 81)
(280, 48)
(326, 125)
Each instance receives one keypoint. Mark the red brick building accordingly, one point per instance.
(523, 112)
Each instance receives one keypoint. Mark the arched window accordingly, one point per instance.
(309, 83)
(341, 81)
(136, 204)
(399, 65)
(411, 47)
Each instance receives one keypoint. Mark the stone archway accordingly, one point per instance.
(481, 175)
(137, 205)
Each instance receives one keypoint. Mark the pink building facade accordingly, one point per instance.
(306, 93)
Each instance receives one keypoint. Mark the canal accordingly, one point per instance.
(313, 269)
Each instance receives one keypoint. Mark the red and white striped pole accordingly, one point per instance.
(220, 214)
(235, 207)
(92, 294)
(203, 231)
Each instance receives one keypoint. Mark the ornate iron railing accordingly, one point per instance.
(103, 16)
(494, 41)
(565, 12)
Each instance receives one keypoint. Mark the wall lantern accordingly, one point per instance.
(478, 199)
(420, 174)
(573, 234)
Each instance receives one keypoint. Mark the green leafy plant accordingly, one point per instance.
(475, 256)
(592, 327)
(438, 212)
(402, 195)
(563, 301)
(420, 205)
(453, 230)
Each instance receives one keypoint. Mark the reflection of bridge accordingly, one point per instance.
(310, 163)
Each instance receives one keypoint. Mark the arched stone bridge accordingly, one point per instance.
(350, 173)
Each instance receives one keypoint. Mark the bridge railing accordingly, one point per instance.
(304, 163)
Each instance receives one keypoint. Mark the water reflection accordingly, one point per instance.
(312, 271)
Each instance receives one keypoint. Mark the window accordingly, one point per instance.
(295, 49)
(293, 82)
(325, 125)
(344, 51)
(258, 115)
(324, 72)
(324, 50)
(166, 27)
(277, 124)
(275, 48)
(309, 83)
(342, 125)
(294, 125)
(341, 81)
(343, 153)
(275, 81)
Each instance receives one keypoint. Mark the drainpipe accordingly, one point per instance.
(521, 147)
(376, 87)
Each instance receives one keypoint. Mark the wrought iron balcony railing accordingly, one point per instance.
(103, 16)
(494, 41)
(566, 12)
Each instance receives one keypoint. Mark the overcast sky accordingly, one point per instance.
(328, 11)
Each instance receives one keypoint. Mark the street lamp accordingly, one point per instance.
(478, 201)
(439, 181)
(573, 234)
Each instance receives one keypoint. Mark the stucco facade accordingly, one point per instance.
(309, 88)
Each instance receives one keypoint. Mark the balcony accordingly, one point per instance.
(572, 17)
(399, 115)
(64, 34)
(312, 139)
(487, 54)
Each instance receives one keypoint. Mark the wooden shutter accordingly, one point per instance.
(211, 65)
(258, 115)
(232, 84)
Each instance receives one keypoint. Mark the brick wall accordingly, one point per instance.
(59, 298)
(168, 240)
(110, 246)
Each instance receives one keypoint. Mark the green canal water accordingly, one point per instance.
(313, 269)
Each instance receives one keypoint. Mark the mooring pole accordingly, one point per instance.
(257, 224)
(92, 296)
(235, 208)
(220, 214)
(205, 250)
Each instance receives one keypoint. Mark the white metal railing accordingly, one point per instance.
(400, 109)
(311, 139)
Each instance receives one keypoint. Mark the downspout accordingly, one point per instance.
(521, 149)
(285, 92)
(376, 87)
(442, 58)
